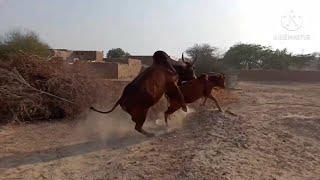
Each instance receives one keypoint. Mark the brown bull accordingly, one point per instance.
(194, 90)
(147, 89)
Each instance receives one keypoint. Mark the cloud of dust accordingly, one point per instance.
(118, 124)
(176, 119)
(95, 125)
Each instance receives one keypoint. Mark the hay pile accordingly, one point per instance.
(33, 88)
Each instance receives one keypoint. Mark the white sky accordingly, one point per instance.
(144, 26)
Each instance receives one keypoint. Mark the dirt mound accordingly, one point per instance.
(267, 141)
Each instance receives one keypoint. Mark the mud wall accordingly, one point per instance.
(99, 56)
(117, 69)
(273, 75)
(104, 70)
(145, 60)
(130, 70)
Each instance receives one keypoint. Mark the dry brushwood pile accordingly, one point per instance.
(34, 88)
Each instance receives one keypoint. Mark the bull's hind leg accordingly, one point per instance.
(216, 102)
(174, 106)
(139, 118)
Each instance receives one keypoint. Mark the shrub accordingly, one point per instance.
(18, 41)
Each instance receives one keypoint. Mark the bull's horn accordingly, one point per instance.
(182, 58)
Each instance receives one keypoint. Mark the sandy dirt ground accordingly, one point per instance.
(275, 135)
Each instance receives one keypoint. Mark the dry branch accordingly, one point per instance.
(24, 82)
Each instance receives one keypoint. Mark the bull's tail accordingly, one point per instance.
(106, 112)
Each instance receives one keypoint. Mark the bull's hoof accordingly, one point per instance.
(150, 135)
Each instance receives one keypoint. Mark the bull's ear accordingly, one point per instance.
(182, 58)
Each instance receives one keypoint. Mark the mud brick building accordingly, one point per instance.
(70, 55)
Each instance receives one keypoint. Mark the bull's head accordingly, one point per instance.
(186, 71)
(218, 80)
(163, 59)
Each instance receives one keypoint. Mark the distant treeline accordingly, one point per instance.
(251, 56)
(243, 57)
(238, 57)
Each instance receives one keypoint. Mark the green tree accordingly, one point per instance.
(246, 56)
(304, 60)
(254, 56)
(26, 41)
(206, 56)
(117, 53)
(278, 59)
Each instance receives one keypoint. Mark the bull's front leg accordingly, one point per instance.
(181, 97)
(216, 102)
(174, 106)
(204, 101)
(176, 94)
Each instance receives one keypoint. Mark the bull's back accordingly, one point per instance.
(145, 90)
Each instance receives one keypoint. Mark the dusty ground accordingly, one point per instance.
(265, 141)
